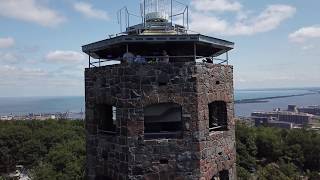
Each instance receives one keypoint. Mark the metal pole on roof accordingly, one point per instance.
(187, 17)
(195, 51)
(227, 56)
(89, 60)
(125, 19)
(144, 13)
(183, 20)
(127, 48)
(128, 14)
(120, 21)
(141, 12)
(171, 12)
(157, 6)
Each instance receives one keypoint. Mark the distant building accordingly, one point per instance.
(43, 117)
(282, 119)
(296, 118)
(315, 110)
(6, 118)
(273, 114)
(292, 108)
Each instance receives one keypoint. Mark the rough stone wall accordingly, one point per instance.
(127, 154)
(217, 148)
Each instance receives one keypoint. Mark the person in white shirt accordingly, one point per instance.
(128, 57)
(165, 57)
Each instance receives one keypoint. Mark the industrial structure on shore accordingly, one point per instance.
(314, 110)
(165, 109)
(293, 117)
(44, 116)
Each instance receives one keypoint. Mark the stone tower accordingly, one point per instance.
(159, 103)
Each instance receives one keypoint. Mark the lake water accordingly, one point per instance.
(25, 105)
(252, 94)
(282, 103)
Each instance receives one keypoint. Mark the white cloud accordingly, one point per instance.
(6, 42)
(34, 81)
(305, 33)
(88, 11)
(216, 5)
(207, 24)
(308, 47)
(267, 20)
(65, 57)
(26, 75)
(10, 57)
(14, 73)
(31, 11)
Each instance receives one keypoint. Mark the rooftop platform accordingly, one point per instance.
(145, 45)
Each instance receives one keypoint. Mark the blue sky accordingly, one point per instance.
(277, 41)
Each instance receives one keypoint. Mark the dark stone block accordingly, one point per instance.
(151, 177)
(137, 170)
(163, 79)
(123, 167)
(102, 177)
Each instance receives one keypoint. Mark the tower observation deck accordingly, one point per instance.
(164, 27)
(159, 100)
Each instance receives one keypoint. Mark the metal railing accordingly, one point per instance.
(124, 16)
(156, 60)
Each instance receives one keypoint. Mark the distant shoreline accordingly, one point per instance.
(266, 99)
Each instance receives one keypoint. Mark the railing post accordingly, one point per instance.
(195, 51)
(128, 17)
(144, 13)
(89, 60)
(171, 12)
(227, 56)
(187, 17)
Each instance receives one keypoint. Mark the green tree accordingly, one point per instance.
(269, 144)
(290, 170)
(271, 172)
(277, 153)
(314, 175)
(246, 147)
(52, 149)
(242, 173)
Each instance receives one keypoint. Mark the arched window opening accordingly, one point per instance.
(107, 118)
(218, 118)
(162, 121)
